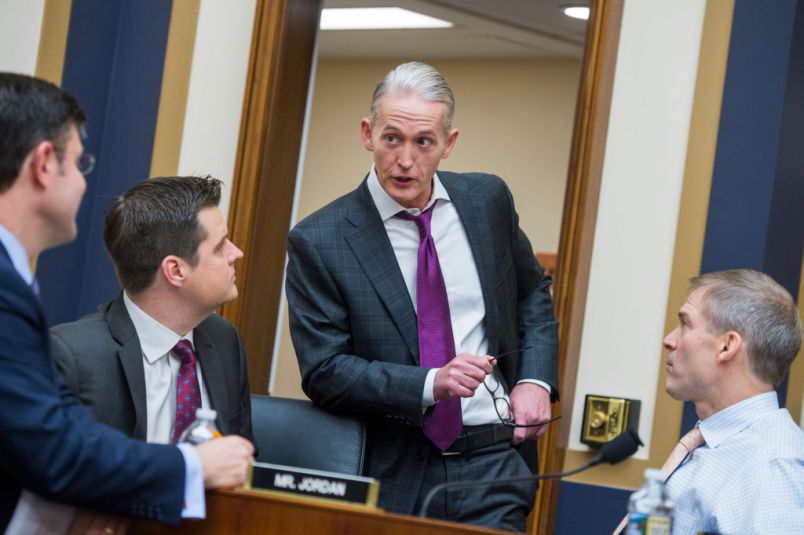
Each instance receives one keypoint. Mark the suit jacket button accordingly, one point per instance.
(419, 456)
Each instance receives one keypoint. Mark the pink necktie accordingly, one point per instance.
(188, 392)
(436, 345)
(688, 443)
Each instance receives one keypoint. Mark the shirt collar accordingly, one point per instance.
(156, 340)
(726, 423)
(388, 207)
(19, 258)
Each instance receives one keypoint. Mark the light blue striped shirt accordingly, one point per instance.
(747, 478)
(19, 258)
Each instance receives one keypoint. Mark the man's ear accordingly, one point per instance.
(365, 134)
(452, 137)
(731, 343)
(174, 270)
(44, 162)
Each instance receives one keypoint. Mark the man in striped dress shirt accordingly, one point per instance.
(738, 334)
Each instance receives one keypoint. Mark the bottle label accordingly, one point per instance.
(642, 524)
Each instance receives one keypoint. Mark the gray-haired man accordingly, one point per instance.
(738, 333)
(393, 317)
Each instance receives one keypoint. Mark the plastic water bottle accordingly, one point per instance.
(202, 429)
(650, 510)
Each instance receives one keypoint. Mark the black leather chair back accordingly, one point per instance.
(294, 432)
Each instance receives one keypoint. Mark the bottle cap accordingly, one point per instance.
(205, 414)
(651, 473)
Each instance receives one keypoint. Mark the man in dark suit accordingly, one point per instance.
(168, 241)
(368, 291)
(50, 445)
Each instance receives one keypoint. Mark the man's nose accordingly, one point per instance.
(405, 159)
(669, 341)
(237, 254)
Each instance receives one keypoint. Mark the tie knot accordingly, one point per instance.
(422, 220)
(693, 439)
(184, 350)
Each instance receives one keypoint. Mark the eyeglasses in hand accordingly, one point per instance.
(501, 404)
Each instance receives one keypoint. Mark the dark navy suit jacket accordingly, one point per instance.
(51, 445)
(354, 326)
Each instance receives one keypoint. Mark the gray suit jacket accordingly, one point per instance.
(354, 326)
(101, 360)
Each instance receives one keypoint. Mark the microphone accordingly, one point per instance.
(614, 451)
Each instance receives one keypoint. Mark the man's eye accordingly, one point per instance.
(425, 142)
(391, 138)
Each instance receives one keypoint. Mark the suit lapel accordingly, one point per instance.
(36, 304)
(130, 356)
(474, 218)
(213, 375)
(372, 248)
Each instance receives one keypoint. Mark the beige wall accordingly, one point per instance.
(515, 118)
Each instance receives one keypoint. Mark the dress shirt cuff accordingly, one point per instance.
(428, 396)
(537, 382)
(194, 500)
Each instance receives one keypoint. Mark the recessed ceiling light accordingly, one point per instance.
(577, 12)
(377, 18)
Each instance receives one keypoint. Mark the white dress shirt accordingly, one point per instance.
(161, 367)
(464, 293)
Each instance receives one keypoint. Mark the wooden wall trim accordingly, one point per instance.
(175, 87)
(264, 180)
(53, 40)
(577, 235)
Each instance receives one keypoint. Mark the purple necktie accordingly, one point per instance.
(188, 392)
(436, 345)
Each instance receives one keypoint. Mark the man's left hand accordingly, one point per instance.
(530, 404)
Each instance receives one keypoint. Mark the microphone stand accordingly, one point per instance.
(618, 449)
(494, 483)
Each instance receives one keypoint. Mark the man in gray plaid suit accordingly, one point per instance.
(359, 291)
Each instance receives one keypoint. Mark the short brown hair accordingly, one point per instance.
(760, 310)
(32, 111)
(154, 219)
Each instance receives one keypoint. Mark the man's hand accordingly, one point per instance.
(530, 404)
(461, 376)
(89, 522)
(225, 461)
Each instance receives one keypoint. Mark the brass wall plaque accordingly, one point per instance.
(605, 417)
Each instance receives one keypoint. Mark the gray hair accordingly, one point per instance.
(415, 78)
(760, 310)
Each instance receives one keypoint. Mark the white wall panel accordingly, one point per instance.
(20, 28)
(215, 96)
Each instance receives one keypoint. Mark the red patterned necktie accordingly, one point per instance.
(436, 345)
(188, 392)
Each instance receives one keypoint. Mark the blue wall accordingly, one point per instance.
(589, 509)
(113, 65)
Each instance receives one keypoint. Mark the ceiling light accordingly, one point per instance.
(377, 18)
(577, 12)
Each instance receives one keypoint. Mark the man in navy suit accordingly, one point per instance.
(356, 313)
(172, 254)
(50, 445)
